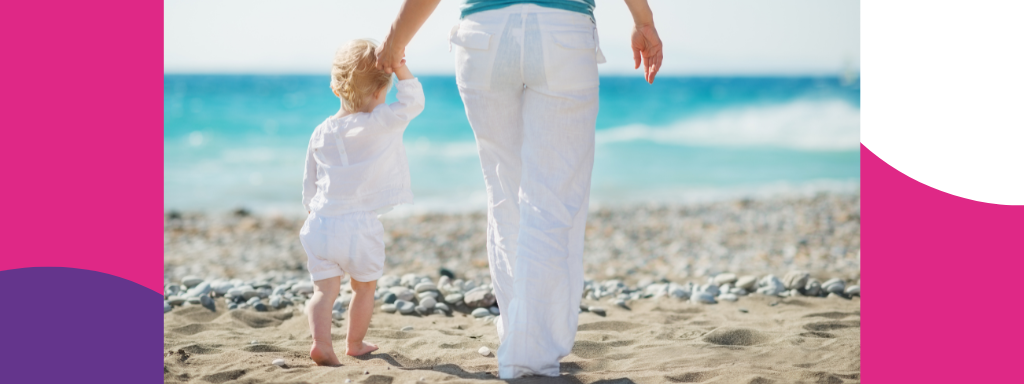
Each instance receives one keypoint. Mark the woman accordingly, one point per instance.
(527, 74)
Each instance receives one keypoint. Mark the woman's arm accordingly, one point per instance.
(645, 41)
(410, 18)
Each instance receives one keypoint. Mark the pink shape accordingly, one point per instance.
(941, 282)
(82, 143)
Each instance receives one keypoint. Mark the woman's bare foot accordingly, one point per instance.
(360, 349)
(324, 355)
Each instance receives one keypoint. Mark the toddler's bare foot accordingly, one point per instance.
(324, 355)
(360, 349)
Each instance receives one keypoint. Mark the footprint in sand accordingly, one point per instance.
(735, 337)
(831, 325)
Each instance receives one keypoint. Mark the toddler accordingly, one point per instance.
(355, 169)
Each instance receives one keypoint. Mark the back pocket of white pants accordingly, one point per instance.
(570, 59)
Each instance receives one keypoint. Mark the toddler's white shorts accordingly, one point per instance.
(352, 243)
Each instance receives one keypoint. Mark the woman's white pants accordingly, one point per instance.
(528, 79)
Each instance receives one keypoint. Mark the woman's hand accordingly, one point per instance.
(389, 54)
(647, 45)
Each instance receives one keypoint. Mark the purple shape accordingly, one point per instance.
(62, 325)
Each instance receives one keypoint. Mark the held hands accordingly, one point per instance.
(647, 45)
(389, 55)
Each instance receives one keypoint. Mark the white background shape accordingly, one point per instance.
(942, 94)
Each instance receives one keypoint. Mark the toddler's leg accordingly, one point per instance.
(319, 312)
(360, 310)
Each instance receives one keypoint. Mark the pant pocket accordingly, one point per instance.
(473, 57)
(570, 60)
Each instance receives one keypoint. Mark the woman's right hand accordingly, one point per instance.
(647, 45)
(389, 54)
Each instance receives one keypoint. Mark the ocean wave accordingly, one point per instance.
(820, 125)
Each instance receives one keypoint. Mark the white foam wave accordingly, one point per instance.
(826, 125)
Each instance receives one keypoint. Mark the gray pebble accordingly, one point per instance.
(834, 286)
(389, 297)
(479, 297)
(337, 315)
(744, 310)
(388, 308)
(423, 311)
(481, 312)
(584, 307)
(442, 307)
(813, 288)
(207, 302)
(167, 306)
(428, 303)
(191, 281)
(405, 307)
(728, 297)
(796, 279)
(253, 301)
(747, 282)
(407, 328)
(260, 307)
(423, 287)
(725, 278)
(597, 311)
(702, 297)
(453, 299)
(193, 300)
(303, 288)
(853, 290)
(494, 311)
(176, 300)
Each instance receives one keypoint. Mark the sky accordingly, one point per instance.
(701, 37)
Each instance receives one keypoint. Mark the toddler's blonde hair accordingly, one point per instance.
(354, 74)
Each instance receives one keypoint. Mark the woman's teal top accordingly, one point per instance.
(585, 7)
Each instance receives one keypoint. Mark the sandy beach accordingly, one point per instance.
(667, 278)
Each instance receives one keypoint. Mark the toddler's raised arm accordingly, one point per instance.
(410, 100)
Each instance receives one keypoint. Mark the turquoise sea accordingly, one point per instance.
(235, 141)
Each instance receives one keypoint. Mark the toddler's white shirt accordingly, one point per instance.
(357, 162)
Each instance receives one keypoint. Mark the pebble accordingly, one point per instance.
(388, 281)
(621, 303)
(445, 272)
(728, 297)
(222, 287)
(388, 308)
(771, 286)
(423, 287)
(167, 306)
(248, 292)
(201, 289)
(494, 310)
(405, 294)
(193, 300)
(479, 297)
(481, 312)
(423, 311)
(795, 279)
(405, 307)
(191, 281)
(747, 282)
(584, 307)
(744, 310)
(254, 342)
(278, 362)
(484, 351)
(303, 288)
(337, 315)
(260, 307)
(834, 286)
(171, 290)
(176, 300)
(453, 299)
(428, 303)
(253, 301)
(725, 278)
(597, 311)
(232, 305)
(710, 288)
(702, 297)
(813, 288)
(407, 328)
(443, 281)
(442, 307)
(207, 302)
(389, 297)
(853, 290)
(834, 295)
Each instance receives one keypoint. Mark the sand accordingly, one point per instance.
(778, 340)
(656, 340)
